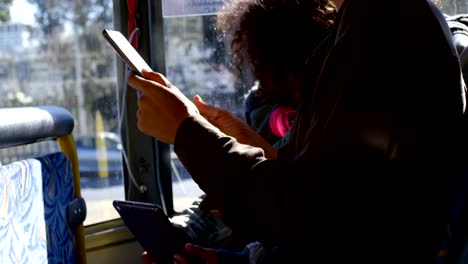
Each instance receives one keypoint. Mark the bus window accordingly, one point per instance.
(453, 7)
(52, 53)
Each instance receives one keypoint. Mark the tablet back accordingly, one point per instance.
(152, 229)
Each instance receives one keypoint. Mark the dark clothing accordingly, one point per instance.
(258, 114)
(371, 168)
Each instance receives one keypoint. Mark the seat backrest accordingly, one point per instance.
(41, 210)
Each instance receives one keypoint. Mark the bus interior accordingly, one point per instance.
(53, 54)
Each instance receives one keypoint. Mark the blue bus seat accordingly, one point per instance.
(41, 208)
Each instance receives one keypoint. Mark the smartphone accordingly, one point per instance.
(125, 50)
(152, 229)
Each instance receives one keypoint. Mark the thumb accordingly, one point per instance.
(208, 111)
(199, 101)
(155, 76)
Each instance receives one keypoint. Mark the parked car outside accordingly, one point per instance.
(99, 155)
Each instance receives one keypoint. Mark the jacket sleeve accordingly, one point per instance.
(250, 191)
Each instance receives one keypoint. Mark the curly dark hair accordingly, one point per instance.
(276, 37)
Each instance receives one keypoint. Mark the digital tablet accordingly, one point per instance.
(152, 229)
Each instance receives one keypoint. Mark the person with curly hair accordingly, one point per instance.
(272, 41)
(372, 163)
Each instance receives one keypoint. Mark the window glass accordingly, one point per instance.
(197, 61)
(52, 53)
(452, 7)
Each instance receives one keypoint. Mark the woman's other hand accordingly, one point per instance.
(233, 126)
(202, 255)
(146, 259)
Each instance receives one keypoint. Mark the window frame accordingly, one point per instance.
(150, 165)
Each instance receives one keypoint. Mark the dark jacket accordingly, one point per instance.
(372, 165)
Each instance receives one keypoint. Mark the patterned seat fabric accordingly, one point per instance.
(34, 196)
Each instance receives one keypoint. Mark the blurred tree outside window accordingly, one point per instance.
(52, 53)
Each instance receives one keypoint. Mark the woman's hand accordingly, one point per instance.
(161, 106)
(233, 126)
(203, 255)
(145, 257)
